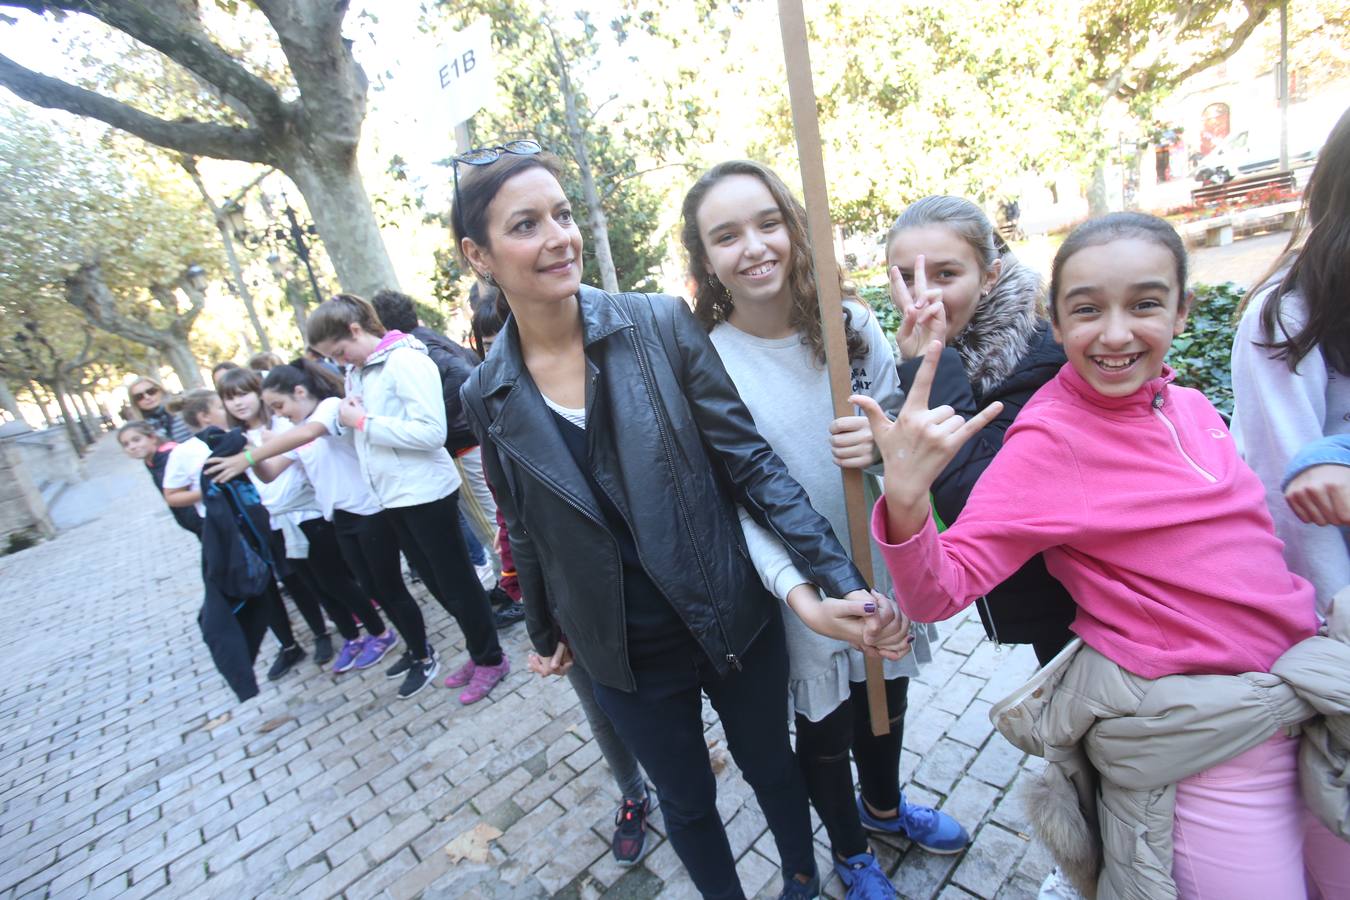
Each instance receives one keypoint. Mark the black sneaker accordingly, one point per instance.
(285, 661)
(509, 615)
(498, 597)
(323, 649)
(630, 833)
(400, 668)
(419, 676)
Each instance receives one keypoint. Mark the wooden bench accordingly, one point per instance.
(1218, 231)
(1240, 187)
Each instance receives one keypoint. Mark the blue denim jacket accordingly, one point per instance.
(1333, 450)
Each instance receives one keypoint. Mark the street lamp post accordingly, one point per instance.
(295, 239)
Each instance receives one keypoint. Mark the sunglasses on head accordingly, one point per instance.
(486, 156)
(141, 395)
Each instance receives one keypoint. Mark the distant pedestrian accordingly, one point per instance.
(147, 403)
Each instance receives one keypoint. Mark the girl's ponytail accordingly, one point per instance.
(193, 405)
(301, 372)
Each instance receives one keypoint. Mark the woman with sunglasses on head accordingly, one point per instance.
(619, 448)
(148, 405)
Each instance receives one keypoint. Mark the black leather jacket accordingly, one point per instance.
(675, 448)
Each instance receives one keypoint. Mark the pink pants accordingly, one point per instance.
(1242, 831)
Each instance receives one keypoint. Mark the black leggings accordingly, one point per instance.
(331, 571)
(370, 548)
(430, 535)
(308, 596)
(823, 753)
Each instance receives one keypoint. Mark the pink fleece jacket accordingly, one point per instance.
(1145, 513)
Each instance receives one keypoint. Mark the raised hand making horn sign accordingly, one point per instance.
(917, 446)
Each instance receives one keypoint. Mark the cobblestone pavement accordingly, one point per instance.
(127, 769)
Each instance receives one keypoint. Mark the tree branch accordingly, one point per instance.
(612, 184)
(176, 31)
(186, 136)
(86, 291)
(1254, 18)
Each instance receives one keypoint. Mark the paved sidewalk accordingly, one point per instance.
(127, 769)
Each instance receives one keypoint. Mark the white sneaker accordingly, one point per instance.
(487, 576)
(1057, 887)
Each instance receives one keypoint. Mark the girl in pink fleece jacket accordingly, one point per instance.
(1132, 489)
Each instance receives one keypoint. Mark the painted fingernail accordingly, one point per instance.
(869, 607)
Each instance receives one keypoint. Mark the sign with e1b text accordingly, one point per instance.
(462, 73)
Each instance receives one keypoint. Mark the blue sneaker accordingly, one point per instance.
(376, 648)
(931, 829)
(800, 890)
(864, 879)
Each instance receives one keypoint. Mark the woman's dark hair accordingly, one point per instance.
(478, 185)
(264, 361)
(334, 318)
(222, 367)
(396, 310)
(236, 382)
(712, 301)
(487, 321)
(193, 405)
(314, 378)
(1114, 227)
(1318, 261)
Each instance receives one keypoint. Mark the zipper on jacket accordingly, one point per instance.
(989, 614)
(1158, 402)
(731, 658)
(623, 618)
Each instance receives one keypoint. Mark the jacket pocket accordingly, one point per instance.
(1131, 867)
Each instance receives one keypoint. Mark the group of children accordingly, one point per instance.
(663, 474)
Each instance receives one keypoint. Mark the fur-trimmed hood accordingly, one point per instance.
(1001, 331)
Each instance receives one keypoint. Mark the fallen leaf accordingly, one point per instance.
(273, 724)
(472, 845)
(216, 722)
(718, 760)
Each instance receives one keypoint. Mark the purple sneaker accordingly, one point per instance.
(376, 648)
(346, 657)
(483, 680)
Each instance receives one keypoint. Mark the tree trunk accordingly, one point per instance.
(58, 390)
(604, 258)
(40, 403)
(9, 402)
(296, 298)
(185, 366)
(95, 413)
(337, 199)
(78, 404)
(1097, 205)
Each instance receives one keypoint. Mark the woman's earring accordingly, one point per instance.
(487, 276)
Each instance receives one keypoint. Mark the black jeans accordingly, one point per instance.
(823, 753)
(371, 550)
(335, 580)
(430, 536)
(662, 723)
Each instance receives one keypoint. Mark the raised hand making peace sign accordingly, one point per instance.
(923, 317)
(918, 445)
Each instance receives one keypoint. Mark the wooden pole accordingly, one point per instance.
(804, 119)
